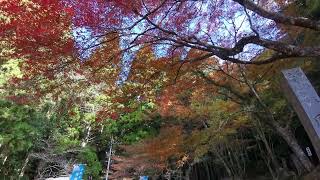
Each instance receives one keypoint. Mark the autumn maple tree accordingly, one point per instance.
(45, 34)
(208, 26)
(193, 61)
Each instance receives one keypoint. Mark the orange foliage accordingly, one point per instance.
(151, 154)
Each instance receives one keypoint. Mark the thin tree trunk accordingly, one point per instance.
(109, 158)
(267, 162)
(292, 142)
(86, 140)
(274, 161)
(4, 160)
(285, 133)
(187, 173)
(225, 165)
(207, 170)
(297, 164)
(24, 166)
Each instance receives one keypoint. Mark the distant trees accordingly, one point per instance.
(36, 143)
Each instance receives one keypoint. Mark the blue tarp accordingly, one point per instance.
(78, 171)
(143, 178)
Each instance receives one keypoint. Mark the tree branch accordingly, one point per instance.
(278, 17)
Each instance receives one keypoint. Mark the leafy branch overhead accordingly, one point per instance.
(175, 89)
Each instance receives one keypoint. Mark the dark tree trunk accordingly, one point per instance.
(288, 136)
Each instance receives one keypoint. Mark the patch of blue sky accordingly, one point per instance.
(127, 58)
(86, 41)
(126, 43)
(238, 26)
(161, 50)
(266, 29)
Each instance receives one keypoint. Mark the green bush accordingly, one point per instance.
(93, 167)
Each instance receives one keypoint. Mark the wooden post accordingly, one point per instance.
(305, 101)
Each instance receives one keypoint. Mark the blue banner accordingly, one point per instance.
(78, 171)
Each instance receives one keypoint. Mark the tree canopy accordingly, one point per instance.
(182, 89)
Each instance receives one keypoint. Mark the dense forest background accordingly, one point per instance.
(204, 120)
